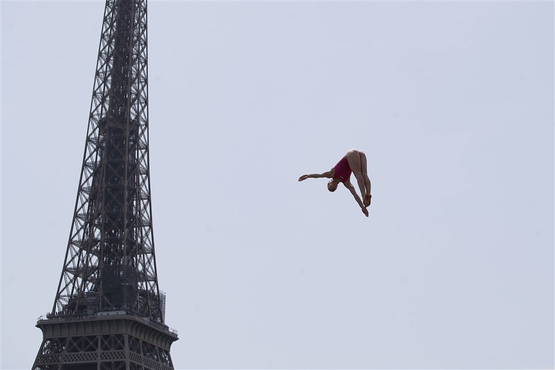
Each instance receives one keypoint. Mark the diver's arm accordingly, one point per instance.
(351, 188)
(327, 174)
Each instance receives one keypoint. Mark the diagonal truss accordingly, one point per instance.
(110, 262)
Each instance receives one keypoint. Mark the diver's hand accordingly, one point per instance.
(367, 200)
(303, 177)
(365, 211)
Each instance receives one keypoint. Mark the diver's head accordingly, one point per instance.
(332, 184)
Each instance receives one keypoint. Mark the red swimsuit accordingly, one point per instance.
(342, 170)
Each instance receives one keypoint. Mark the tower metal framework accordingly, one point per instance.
(108, 312)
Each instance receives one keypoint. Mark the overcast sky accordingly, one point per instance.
(453, 105)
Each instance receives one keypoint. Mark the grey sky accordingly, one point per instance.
(453, 104)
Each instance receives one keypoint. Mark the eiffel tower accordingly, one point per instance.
(109, 312)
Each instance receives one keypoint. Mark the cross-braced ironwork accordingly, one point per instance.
(110, 266)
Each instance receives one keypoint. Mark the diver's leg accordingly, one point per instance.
(360, 181)
(367, 184)
(354, 159)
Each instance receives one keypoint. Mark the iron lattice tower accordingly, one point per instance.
(108, 312)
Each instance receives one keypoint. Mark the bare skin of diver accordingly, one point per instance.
(354, 161)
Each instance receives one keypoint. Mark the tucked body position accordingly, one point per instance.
(353, 162)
